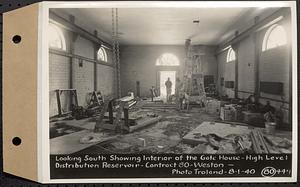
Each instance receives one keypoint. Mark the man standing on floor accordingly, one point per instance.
(168, 84)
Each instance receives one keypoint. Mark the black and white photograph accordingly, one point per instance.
(190, 80)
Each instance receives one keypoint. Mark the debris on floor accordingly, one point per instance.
(177, 129)
(160, 130)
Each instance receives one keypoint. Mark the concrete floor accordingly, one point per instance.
(162, 137)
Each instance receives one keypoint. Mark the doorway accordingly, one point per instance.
(163, 77)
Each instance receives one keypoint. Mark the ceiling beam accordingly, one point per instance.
(77, 29)
(276, 16)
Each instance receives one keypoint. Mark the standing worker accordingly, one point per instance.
(168, 84)
(153, 93)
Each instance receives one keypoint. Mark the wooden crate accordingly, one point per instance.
(213, 106)
(256, 119)
(228, 113)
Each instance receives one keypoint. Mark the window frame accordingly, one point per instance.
(159, 59)
(229, 57)
(102, 49)
(60, 34)
(269, 33)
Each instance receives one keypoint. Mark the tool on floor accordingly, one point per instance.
(242, 146)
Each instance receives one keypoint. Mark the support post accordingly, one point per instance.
(58, 102)
(110, 112)
(126, 116)
(256, 63)
(236, 77)
(72, 48)
(73, 39)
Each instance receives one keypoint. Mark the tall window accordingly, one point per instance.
(274, 37)
(230, 55)
(56, 37)
(167, 59)
(101, 55)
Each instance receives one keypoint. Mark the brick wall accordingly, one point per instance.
(138, 64)
(83, 74)
(208, 60)
(105, 82)
(59, 78)
(273, 67)
(83, 80)
(226, 70)
(246, 59)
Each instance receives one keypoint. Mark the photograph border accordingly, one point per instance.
(43, 89)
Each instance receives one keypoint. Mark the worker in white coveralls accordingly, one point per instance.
(168, 84)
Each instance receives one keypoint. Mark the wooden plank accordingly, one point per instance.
(146, 121)
(254, 143)
(131, 116)
(261, 138)
(83, 124)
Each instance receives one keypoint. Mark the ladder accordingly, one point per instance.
(188, 80)
(189, 83)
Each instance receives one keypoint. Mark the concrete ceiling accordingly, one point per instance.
(165, 26)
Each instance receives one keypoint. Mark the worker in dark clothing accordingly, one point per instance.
(153, 93)
(168, 84)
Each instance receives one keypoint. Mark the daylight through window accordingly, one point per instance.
(56, 37)
(167, 59)
(231, 55)
(274, 37)
(101, 55)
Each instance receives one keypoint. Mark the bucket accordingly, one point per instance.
(270, 127)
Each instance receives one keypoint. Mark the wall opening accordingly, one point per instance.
(101, 55)
(274, 37)
(167, 59)
(163, 76)
(56, 37)
(231, 55)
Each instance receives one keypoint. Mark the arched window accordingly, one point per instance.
(230, 55)
(56, 37)
(101, 55)
(167, 59)
(274, 37)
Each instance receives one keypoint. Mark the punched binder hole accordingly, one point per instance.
(16, 141)
(17, 39)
